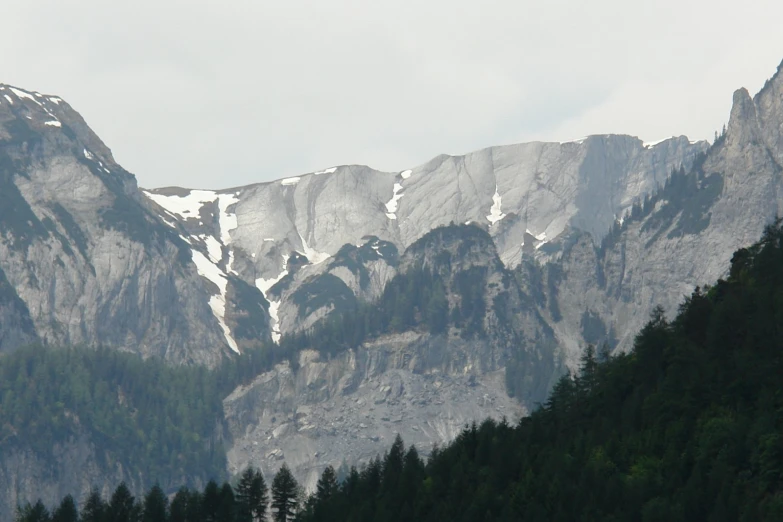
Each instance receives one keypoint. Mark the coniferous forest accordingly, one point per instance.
(688, 426)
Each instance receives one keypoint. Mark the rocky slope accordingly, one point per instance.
(682, 237)
(425, 383)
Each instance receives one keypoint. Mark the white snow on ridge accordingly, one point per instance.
(187, 206)
(217, 302)
(290, 181)
(391, 205)
(55, 100)
(326, 171)
(495, 214)
(22, 94)
(54, 123)
(228, 222)
(579, 141)
(89, 156)
(10, 100)
(405, 174)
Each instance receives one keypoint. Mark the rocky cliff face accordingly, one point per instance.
(82, 258)
(681, 237)
(422, 384)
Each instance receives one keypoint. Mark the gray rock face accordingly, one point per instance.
(687, 236)
(83, 259)
(526, 195)
(425, 386)
(349, 409)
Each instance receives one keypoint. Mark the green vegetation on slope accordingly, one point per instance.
(155, 419)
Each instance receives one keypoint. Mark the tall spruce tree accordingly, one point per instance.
(122, 506)
(155, 505)
(252, 496)
(94, 508)
(285, 492)
(66, 511)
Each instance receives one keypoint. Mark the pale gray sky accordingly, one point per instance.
(218, 94)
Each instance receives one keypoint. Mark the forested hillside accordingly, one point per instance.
(156, 420)
(685, 427)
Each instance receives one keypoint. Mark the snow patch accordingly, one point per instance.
(213, 248)
(54, 123)
(326, 171)
(186, 206)
(580, 140)
(25, 95)
(89, 156)
(228, 222)
(269, 239)
(391, 205)
(405, 174)
(274, 306)
(217, 302)
(55, 100)
(312, 255)
(10, 100)
(290, 181)
(264, 285)
(495, 213)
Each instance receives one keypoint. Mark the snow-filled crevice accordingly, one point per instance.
(264, 285)
(495, 213)
(208, 266)
(209, 270)
(391, 205)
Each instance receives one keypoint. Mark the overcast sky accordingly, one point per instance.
(219, 94)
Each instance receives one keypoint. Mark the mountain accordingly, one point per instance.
(462, 287)
(83, 259)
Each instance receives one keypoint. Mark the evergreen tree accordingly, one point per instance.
(252, 496)
(285, 491)
(122, 506)
(327, 485)
(66, 511)
(178, 512)
(155, 505)
(33, 513)
(94, 508)
(210, 502)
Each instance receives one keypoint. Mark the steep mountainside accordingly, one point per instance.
(82, 258)
(434, 362)
(681, 237)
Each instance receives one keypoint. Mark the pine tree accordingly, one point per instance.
(179, 506)
(155, 505)
(94, 509)
(33, 513)
(66, 511)
(121, 506)
(252, 496)
(285, 491)
(327, 485)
